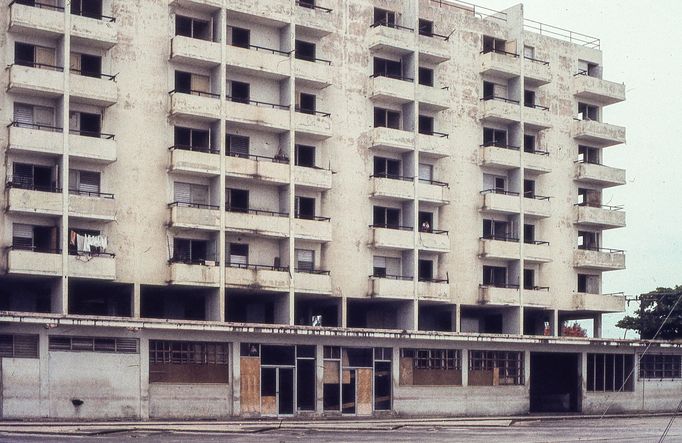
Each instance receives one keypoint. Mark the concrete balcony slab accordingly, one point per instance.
(30, 202)
(316, 75)
(94, 267)
(500, 65)
(433, 49)
(537, 252)
(258, 224)
(262, 63)
(93, 91)
(598, 133)
(93, 149)
(48, 83)
(33, 21)
(22, 262)
(391, 90)
(196, 162)
(392, 288)
(259, 279)
(538, 298)
(92, 207)
(271, 13)
(315, 126)
(603, 260)
(433, 99)
(438, 291)
(499, 158)
(194, 274)
(433, 193)
(199, 5)
(313, 178)
(35, 140)
(500, 111)
(99, 33)
(265, 117)
(433, 242)
(538, 208)
(540, 163)
(317, 22)
(600, 175)
(601, 218)
(394, 189)
(499, 249)
(597, 90)
(537, 118)
(186, 217)
(392, 238)
(313, 283)
(434, 146)
(583, 301)
(313, 230)
(393, 139)
(195, 107)
(195, 51)
(391, 40)
(536, 73)
(500, 203)
(493, 296)
(260, 169)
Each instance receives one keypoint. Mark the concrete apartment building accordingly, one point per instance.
(218, 208)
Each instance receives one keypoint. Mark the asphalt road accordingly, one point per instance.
(641, 429)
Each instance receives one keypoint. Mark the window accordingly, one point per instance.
(425, 219)
(87, 8)
(241, 37)
(426, 125)
(238, 145)
(116, 345)
(434, 367)
(529, 52)
(386, 266)
(35, 56)
(529, 98)
(425, 172)
(388, 68)
(426, 76)
(305, 260)
(384, 17)
(425, 27)
(237, 200)
(18, 346)
(191, 251)
(305, 207)
(306, 3)
(425, 270)
(188, 362)
(386, 217)
(85, 124)
(188, 83)
(192, 139)
(240, 92)
(589, 69)
(385, 118)
(528, 143)
(493, 368)
(192, 27)
(33, 177)
(239, 254)
(492, 44)
(305, 156)
(660, 366)
(610, 372)
(528, 279)
(305, 51)
(495, 137)
(495, 276)
(85, 64)
(30, 116)
(307, 103)
(588, 283)
(588, 112)
(191, 194)
(387, 167)
(529, 188)
(588, 240)
(497, 230)
(84, 182)
(528, 233)
(587, 154)
(35, 238)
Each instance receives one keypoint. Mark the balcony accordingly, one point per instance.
(537, 252)
(33, 262)
(258, 222)
(393, 139)
(583, 301)
(195, 105)
(500, 248)
(500, 110)
(433, 240)
(257, 277)
(499, 156)
(195, 51)
(94, 147)
(598, 133)
(433, 48)
(206, 6)
(392, 187)
(259, 168)
(36, 139)
(270, 13)
(314, 73)
(313, 178)
(600, 217)
(100, 267)
(603, 259)
(600, 175)
(92, 206)
(537, 161)
(537, 206)
(194, 274)
(393, 39)
(195, 216)
(598, 90)
(256, 60)
(96, 91)
(393, 90)
(204, 162)
(433, 191)
(433, 99)
(502, 202)
(537, 117)
(503, 295)
(500, 64)
(317, 229)
(313, 282)
(536, 72)
(38, 80)
(47, 21)
(435, 144)
(315, 20)
(433, 290)
(256, 114)
(399, 237)
(316, 124)
(539, 297)
(100, 32)
(35, 201)
(392, 287)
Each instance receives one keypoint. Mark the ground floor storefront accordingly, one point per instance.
(86, 368)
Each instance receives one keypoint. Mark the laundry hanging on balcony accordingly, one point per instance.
(87, 244)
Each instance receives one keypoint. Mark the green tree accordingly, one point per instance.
(653, 309)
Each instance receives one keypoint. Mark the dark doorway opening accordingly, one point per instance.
(554, 382)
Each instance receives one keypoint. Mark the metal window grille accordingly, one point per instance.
(18, 346)
(660, 366)
(508, 363)
(184, 352)
(94, 344)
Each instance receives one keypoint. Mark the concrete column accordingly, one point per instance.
(63, 301)
(222, 78)
(526, 369)
(137, 301)
(597, 326)
(414, 10)
(236, 380)
(395, 374)
(292, 184)
(457, 320)
(214, 306)
(144, 378)
(465, 367)
(554, 323)
(319, 378)
(43, 353)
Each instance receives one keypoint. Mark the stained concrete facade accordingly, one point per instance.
(432, 167)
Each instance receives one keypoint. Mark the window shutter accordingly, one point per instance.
(75, 121)
(425, 171)
(73, 180)
(23, 113)
(380, 262)
(199, 194)
(305, 259)
(45, 56)
(75, 62)
(43, 115)
(89, 181)
(22, 230)
(200, 83)
(238, 144)
(183, 192)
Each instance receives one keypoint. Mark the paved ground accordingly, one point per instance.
(549, 429)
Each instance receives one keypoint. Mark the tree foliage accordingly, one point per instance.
(653, 309)
(574, 330)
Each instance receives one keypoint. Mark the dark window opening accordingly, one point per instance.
(529, 98)
(425, 219)
(426, 76)
(241, 37)
(497, 230)
(87, 65)
(86, 124)
(610, 372)
(495, 276)
(193, 28)
(188, 362)
(588, 112)
(491, 368)
(238, 254)
(240, 92)
(426, 125)
(33, 177)
(307, 103)
(528, 279)
(388, 68)
(529, 188)
(425, 27)
(494, 137)
(305, 51)
(18, 346)
(425, 270)
(183, 82)
(587, 154)
(386, 167)
(238, 145)
(488, 90)
(386, 217)
(87, 8)
(528, 233)
(190, 251)
(305, 384)
(660, 366)
(492, 44)
(384, 17)
(24, 54)
(383, 118)
(278, 355)
(528, 143)
(237, 200)
(305, 207)
(305, 156)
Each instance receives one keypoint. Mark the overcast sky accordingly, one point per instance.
(640, 42)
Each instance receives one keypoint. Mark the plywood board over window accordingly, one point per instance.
(364, 391)
(250, 385)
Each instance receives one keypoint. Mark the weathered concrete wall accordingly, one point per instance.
(20, 388)
(175, 400)
(458, 400)
(648, 396)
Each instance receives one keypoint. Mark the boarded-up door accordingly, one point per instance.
(250, 385)
(364, 391)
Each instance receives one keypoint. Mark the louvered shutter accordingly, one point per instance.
(88, 181)
(199, 194)
(200, 83)
(238, 145)
(23, 114)
(305, 259)
(75, 62)
(183, 192)
(74, 121)
(45, 56)
(22, 236)
(43, 115)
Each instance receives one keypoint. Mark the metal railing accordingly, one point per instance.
(298, 108)
(500, 51)
(390, 25)
(535, 196)
(94, 134)
(499, 98)
(505, 238)
(392, 177)
(536, 151)
(248, 101)
(393, 76)
(280, 159)
(264, 49)
(38, 5)
(535, 106)
(92, 253)
(600, 206)
(499, 144)
(256, 211)
(499, 191)
(312, 5)
(536, 288)
(24, 183)
(311, 217)
(535, 60)
(590, 162)
(535, 242)
(192, 205)
(93, 74)
(433, 34)
(256, 267)
(91, 193)
(561, 33)
(500, 285)
(194, 261)
(392, 277)
(204, 149)
(600, 249)
(312, 271)
(105, 18)
(430, 230)
(311, 59)
(477, 11)
(33, 64)
(434, 133)
(194, 92)
(391, 226)
(434, 182)
(35, 126)
(433, 280)
(34, 248)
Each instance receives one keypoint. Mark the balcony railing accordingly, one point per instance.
(536, 106)
(95, 134)
(204, 149)
(248, 101)
(600, 249)
(256, 211)
(256, 267)
(311, 59)
(499, 191)
(499, 98)
(38, 5)
(311, 111)
(194, 260)
(600, 206)
(507, 238)
(194, 92)
(392, 177)
(35, 126)
(93, 74)
(33, 248)
(390, 25)
(312, 5)
(275, 159)
(434, 280)
(434, 133)
(536, 151)
(500, 285)
(535, 242)
(391, 226)
(393, 76)
(192, 205)
(535, 60)
(312, 271)
(312, 217)
(92, 253)
(391, 277)
(499, 144)
(426, 33)
(534, 196)
(500, 51)
(24, 183)
(430, 230)
(32, 64)
(264, 49)
(536, 288)
(91, 193)
(429, 181)
(105, 18)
